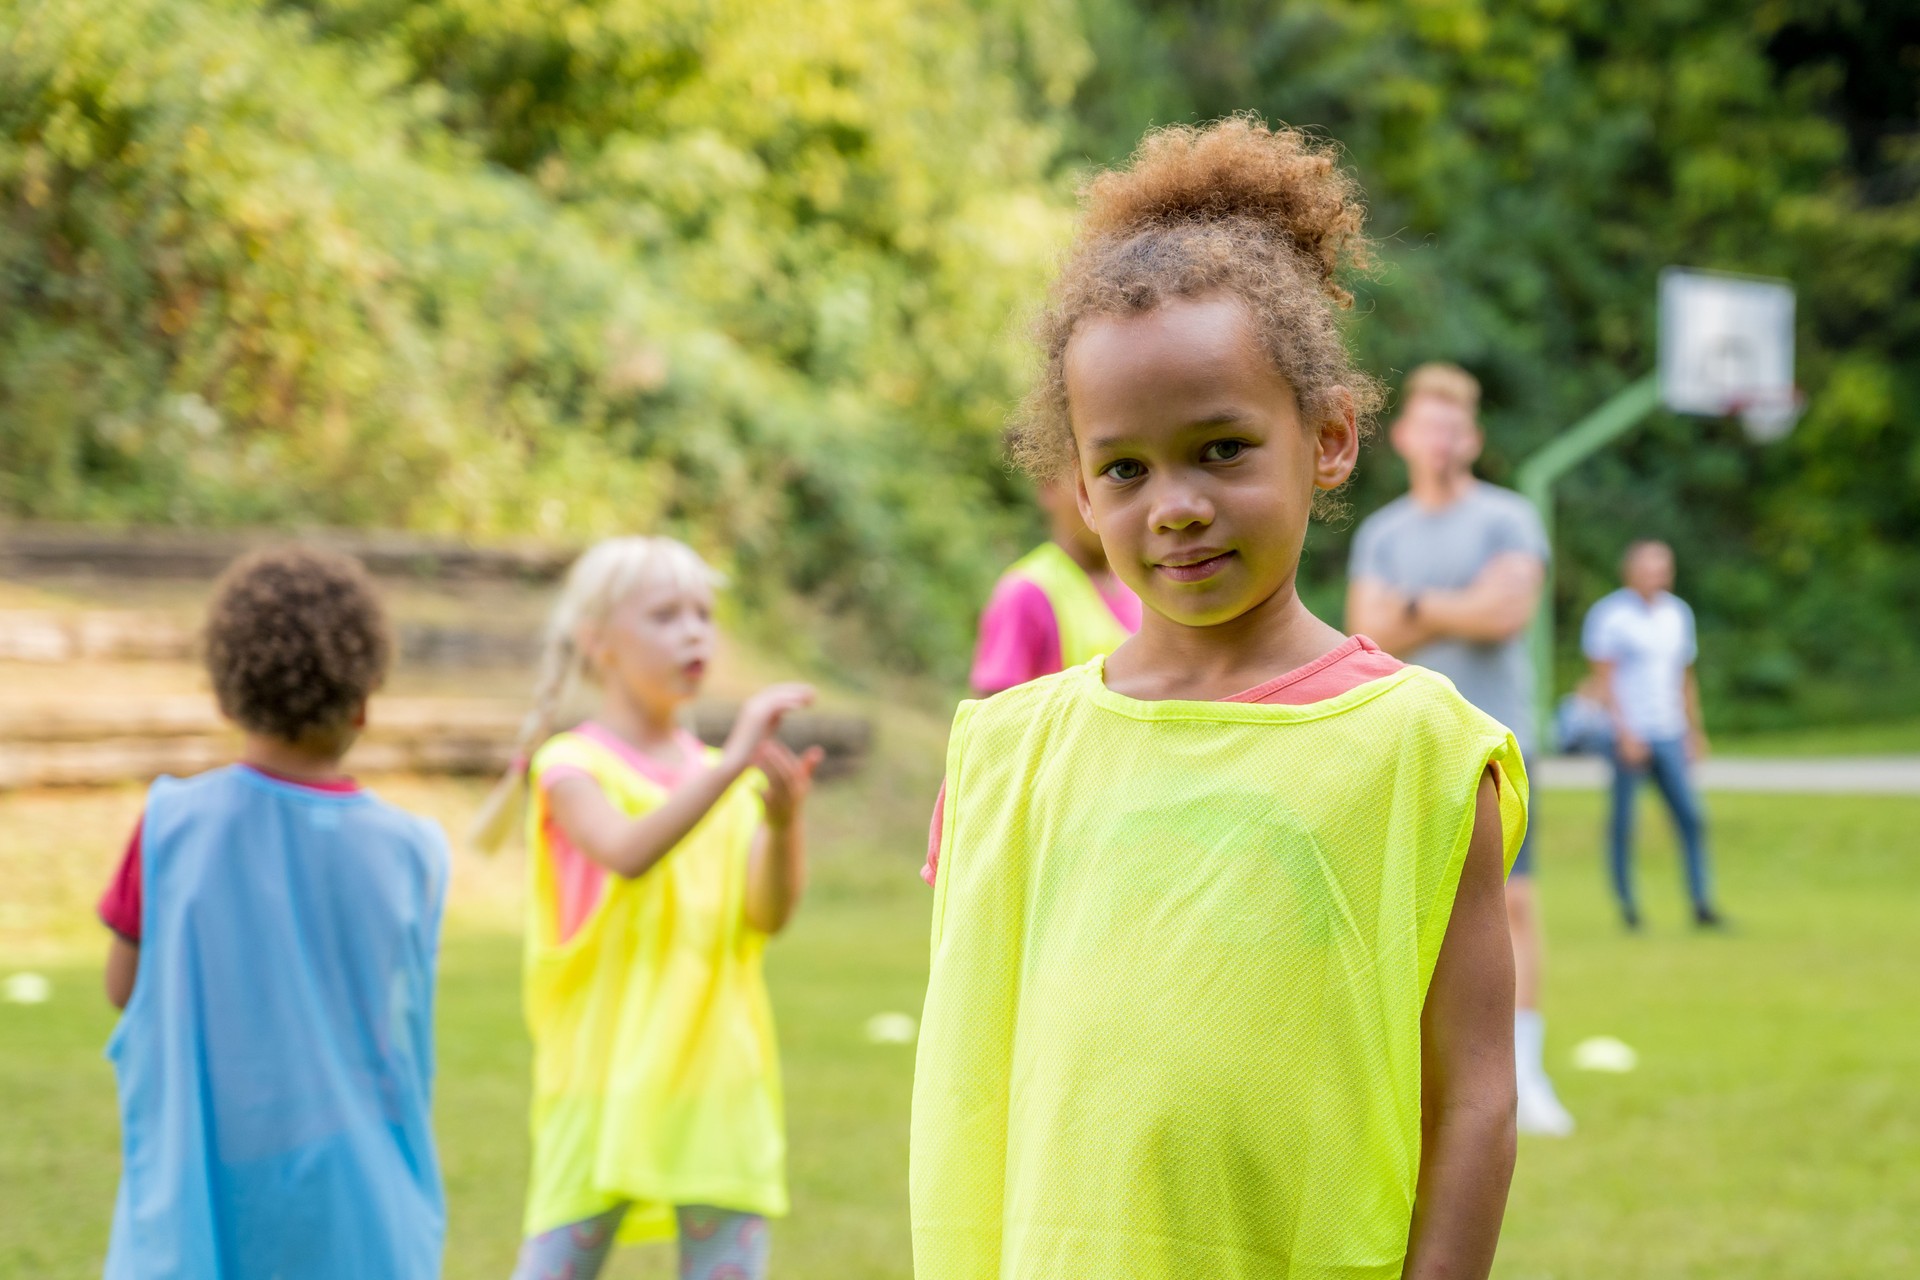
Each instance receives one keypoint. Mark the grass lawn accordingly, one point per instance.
(1771, 1130)
(1882, 737)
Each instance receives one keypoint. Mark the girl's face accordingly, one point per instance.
(657, 642)
(1194, 465)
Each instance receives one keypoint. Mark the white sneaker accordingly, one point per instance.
(1540, 1112)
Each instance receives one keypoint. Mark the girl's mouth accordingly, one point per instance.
(1196, 570)
(695, 669)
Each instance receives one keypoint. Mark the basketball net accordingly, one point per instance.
(1768, 416)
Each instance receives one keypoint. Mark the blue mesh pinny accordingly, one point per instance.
(276, 1060)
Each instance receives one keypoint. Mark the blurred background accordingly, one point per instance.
(461, 285)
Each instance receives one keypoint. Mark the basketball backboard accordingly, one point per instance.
(1726, 347)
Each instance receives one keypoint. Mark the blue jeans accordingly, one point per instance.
(1668, 764)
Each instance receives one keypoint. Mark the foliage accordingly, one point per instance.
(740, 271)
(1532, 167)
(751, 272)
(245, 280)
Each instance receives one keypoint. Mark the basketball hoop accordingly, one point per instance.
(1726, 347)
(1767, 418)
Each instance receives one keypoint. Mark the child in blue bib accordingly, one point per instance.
(275, 932)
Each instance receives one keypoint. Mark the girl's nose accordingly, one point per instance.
(1179, 506)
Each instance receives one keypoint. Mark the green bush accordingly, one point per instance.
(739, 272)
(753, 273)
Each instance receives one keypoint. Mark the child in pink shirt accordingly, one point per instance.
(1022, 635)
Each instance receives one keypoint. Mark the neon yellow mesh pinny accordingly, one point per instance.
(1085, 621)
(656, 1071)
(1179, 955)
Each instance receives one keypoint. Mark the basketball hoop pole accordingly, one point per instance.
(1627, 409)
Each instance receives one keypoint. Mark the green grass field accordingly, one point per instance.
(1882, 737)
(1771, 1129)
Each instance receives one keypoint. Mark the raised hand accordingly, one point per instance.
(760, 717)
(789, 779)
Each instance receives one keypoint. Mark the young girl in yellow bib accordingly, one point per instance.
(1221, 984)
(656, 874)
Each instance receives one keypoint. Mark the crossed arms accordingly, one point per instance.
(1495, 606)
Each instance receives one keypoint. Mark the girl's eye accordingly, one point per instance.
(1124, 469)
(1223, 450)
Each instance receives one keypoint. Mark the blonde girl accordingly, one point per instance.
(658, 868)
(1220, 980)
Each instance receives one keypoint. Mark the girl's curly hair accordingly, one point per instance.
(296, 640)
(1263, 213)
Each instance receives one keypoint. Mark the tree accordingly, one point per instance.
(1531, 168)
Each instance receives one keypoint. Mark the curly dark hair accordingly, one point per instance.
(296, 640)
(1263, 213)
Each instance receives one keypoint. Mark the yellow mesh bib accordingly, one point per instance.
(1087, 626)
(656, 1071)
(1180, 951)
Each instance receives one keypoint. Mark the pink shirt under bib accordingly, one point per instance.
(579, 880)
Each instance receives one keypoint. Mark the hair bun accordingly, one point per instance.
(1237, 169)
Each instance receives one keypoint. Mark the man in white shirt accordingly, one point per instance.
(1641, 643)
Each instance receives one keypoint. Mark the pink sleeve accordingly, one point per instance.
(932, 869)
(578, 881)
(1019, 637)
(120, 904)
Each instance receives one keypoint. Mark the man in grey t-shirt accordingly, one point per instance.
(1448, 577)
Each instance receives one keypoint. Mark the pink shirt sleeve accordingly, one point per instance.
(1347, 666)
(932, 867)
(578, 880)
(120, 904)
(1019, 637)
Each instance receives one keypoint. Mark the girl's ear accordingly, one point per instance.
(1336, 443)
(1080, 498)
(588, 648)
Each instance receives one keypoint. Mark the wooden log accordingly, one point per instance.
(106, 761)
(41, 635)
(846, 739)
(100, 742)
(195, 715)
(33, 549)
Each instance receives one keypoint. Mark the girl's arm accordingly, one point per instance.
(1466, 1072)
(777, 873)
(631, 847)
(123, 966)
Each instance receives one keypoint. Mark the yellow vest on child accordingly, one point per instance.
(656, 1071)
(1180, 951)
(1088, 628)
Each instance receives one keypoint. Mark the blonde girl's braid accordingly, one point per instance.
(500, 814)
(597, 583)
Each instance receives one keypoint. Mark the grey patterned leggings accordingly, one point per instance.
(715, 1244)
